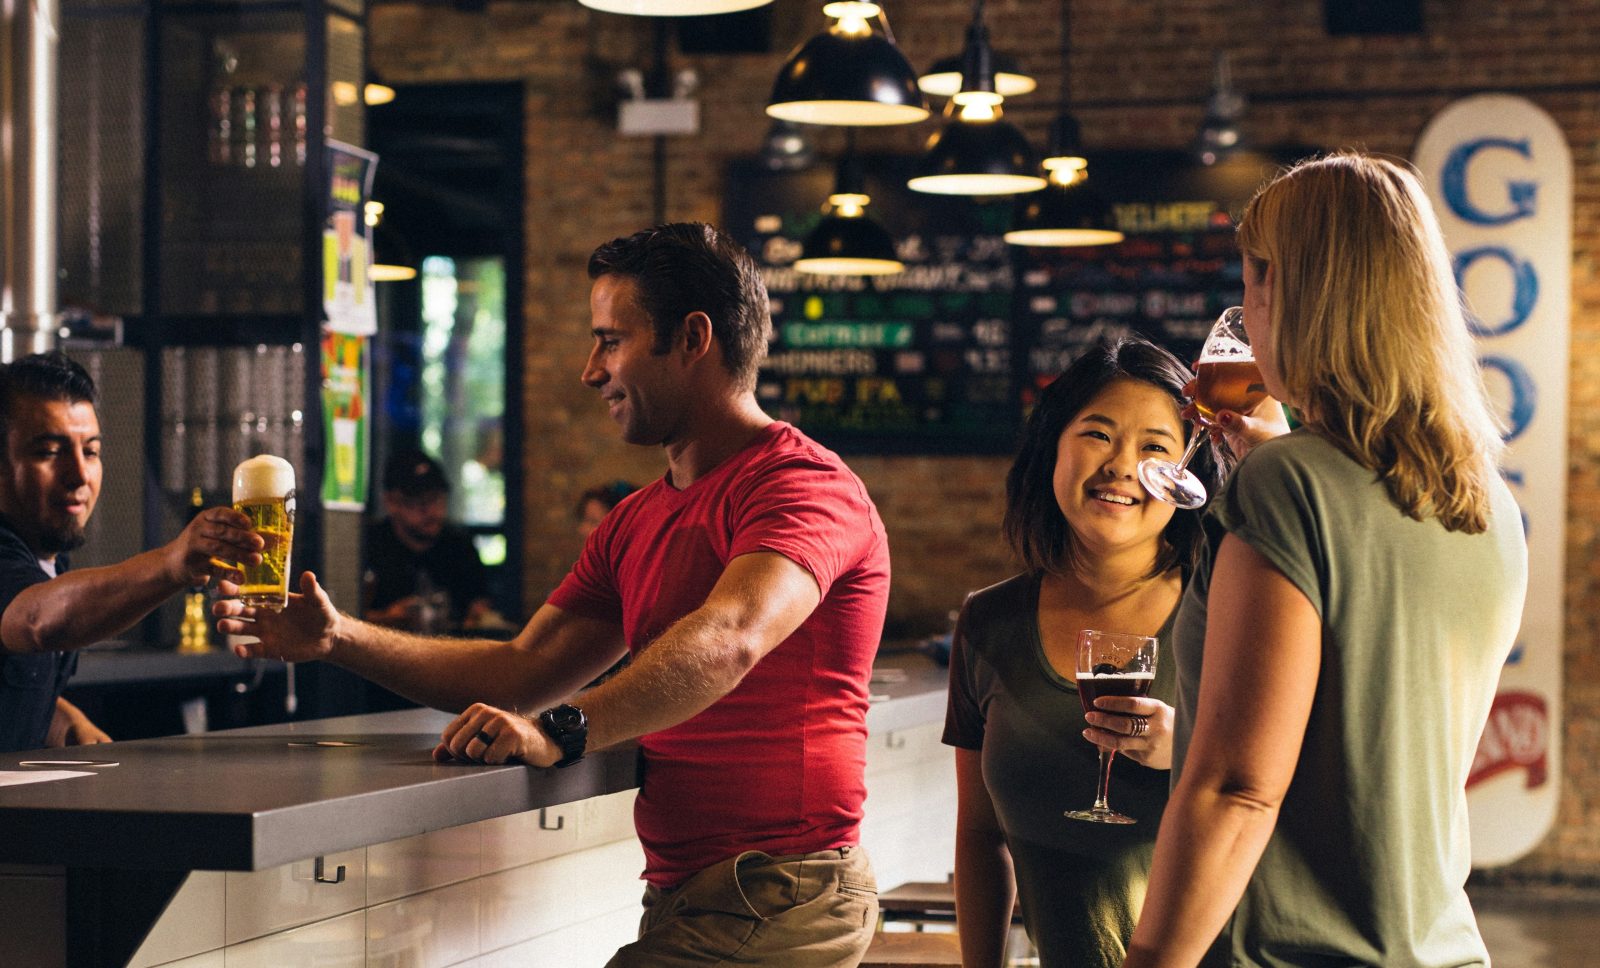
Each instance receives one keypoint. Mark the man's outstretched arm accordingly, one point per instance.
(554, 655)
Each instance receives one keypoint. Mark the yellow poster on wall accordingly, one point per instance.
(346, 425)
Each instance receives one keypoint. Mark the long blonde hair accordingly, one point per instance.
(1368, 331)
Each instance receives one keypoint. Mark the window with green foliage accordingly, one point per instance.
(463, 387)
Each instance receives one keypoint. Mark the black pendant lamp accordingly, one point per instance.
(673, 8)
(944, 77)
(1219, 135)
(848, 75)
(848, 242)
(976, 153)
(1069, 212)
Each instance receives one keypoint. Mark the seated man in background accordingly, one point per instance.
(50, 475)
(423, 573)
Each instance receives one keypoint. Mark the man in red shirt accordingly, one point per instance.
(749, 583)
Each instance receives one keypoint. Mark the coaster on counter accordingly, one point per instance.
(61, 763)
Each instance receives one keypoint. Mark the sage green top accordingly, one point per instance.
(1368, 862)
(1080, 885)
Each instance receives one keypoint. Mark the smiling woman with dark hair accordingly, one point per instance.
(1100, 553)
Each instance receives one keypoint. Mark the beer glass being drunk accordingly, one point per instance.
(1111, 664)
(1226, 378)
(263, 491)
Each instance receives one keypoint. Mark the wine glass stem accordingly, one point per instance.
(1194, 445)
(1105, 780)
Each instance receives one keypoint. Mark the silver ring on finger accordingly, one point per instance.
(1141, 725)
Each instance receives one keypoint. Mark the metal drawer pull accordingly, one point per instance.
(561, 821)
(319, 874)
(895, 741)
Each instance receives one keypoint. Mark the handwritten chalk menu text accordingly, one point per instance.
(915, 362)
(947, 356)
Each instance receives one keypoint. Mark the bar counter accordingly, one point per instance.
(257, 799)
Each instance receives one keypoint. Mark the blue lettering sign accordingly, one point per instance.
(1525, 282)
(1453, 182)
(1524, 395)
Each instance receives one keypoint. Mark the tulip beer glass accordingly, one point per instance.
(1111, 664)
(263, 491)
(1226, 378)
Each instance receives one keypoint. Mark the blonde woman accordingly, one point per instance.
(1337, 655)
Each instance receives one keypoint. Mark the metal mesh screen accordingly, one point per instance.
(233, 144)
(101, 249)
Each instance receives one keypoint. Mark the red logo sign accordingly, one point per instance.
(1517, 736)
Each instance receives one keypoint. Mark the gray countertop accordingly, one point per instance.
(246, 799)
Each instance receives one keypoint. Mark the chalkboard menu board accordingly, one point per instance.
(946, 356)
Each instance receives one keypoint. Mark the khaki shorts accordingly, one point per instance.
(803, 911)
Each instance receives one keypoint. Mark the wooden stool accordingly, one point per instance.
(913, 949)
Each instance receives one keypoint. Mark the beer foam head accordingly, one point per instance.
(1221, 349)
(261, 477)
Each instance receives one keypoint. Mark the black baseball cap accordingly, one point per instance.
(414, 474)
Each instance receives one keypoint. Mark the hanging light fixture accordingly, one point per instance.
(384, 271)
(848, 75)
(1219, 135)
(976, 153)
(672, 8)
(944, 77)
(786, 147)
(848, 242)
(1069, 212)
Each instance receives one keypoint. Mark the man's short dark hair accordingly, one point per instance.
(686, 267)
(414, 474)
(1034, 525)
(44, 376)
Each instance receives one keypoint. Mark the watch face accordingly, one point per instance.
(566, 718)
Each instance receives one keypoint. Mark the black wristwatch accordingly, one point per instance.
(569, 727)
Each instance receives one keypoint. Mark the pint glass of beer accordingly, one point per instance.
(263, 491)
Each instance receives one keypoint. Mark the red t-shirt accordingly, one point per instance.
(777, 764)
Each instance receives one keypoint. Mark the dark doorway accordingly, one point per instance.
(449, 354)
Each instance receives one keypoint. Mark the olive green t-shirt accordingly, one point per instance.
(1080, 885)
(1368, 862)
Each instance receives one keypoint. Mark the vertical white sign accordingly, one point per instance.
(1500, 175)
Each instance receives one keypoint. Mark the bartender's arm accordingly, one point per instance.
(757, 603)
(91, 605)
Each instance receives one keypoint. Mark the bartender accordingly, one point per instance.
(50, 474)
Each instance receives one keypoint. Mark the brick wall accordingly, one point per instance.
(1139, 74)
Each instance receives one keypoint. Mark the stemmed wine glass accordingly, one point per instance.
(1226, 378)
(1111, 664)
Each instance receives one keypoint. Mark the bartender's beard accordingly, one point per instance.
(53, 541)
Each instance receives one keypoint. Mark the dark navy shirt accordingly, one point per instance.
(30, 683)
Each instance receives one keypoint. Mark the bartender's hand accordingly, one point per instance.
(1143, 733)
(303, 631)
(70, 727)
(211, 544)
(484, 734)
(1242, 430)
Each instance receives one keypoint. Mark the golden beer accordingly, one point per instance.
(1227, 385)
(267, 585)
(263, 491)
